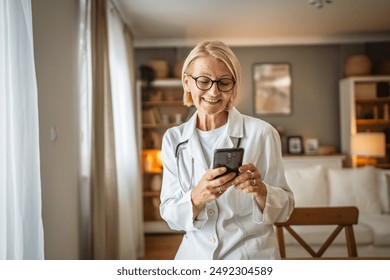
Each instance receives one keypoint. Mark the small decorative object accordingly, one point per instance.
(178, 118)
(294, 145)
(165, 118)
(375, 112)
(365, 90)
(326, 150)
(156, 206)
(147, 75)
(160, 68)
(168, 96)
(311, 146)
(357, 65)
(156, 95)
(155, 183)
(272, 88)
(151, 139)
(386, 112)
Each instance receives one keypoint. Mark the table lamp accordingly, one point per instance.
(151, 160)
(367, 146)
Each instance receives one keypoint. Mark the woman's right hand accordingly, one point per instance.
(210, 188)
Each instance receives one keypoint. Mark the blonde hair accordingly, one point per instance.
(219, 51)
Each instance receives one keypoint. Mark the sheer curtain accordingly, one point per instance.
(85, 114)
(110, 170)
(125, 129)
(104, 190)
(21, 230)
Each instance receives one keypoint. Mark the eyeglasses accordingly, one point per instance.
(205, 83)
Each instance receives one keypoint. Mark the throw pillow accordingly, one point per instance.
(309, 186)
(383, 184)
(354, 187)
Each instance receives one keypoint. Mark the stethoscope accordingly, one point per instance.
(179, 148)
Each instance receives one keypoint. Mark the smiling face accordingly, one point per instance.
(211, 103)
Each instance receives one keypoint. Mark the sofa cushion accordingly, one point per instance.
(383, 184)
(354, 187)
(380, 227)
(309, 185)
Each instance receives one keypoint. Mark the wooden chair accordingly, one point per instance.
(342, 217)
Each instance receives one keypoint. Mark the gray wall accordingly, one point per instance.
(56, 42)
(315, 74)
(316, 71)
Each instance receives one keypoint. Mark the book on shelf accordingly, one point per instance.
(148, 117)
(157, 115)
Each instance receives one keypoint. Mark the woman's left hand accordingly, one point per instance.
(250, 181)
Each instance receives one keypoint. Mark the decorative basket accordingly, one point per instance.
(357, 65)
(160, 68)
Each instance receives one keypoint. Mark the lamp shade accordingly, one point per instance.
(151, 160)
(370, 144)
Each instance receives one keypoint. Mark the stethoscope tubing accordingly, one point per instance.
(178, 149)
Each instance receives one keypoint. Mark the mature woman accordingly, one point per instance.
(229, 217)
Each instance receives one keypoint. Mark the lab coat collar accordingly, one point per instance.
(235, 125)
(235, 129)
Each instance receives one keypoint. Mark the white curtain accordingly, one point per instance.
(126, 148)
(21, 230)
(85, 113)
(130, 216)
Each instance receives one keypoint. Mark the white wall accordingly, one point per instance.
(55, 41)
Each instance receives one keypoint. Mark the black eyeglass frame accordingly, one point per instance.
(212, 83)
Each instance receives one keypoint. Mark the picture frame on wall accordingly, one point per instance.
(272, 85)
(294, 145)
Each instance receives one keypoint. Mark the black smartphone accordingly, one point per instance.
(231, 158)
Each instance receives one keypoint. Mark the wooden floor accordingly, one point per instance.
(161, 246)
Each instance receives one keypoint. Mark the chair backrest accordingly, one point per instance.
(342, 217)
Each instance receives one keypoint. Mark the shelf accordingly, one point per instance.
(383, 165)
(157, 172)
(361, 110)
(166, 83)
(367, 79)
(159, 110)
(151, 193)
(159, 125)
(372, 122)
(329, 161)
(373, 100)
(163, 103)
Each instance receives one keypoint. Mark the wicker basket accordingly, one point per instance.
(357, 65)
(160, 68)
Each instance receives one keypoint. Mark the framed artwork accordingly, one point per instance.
(294, 145)
(272, 88)
(311, 146)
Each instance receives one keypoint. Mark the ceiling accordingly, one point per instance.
(157, 23)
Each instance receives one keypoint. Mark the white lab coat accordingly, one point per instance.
(233, 226)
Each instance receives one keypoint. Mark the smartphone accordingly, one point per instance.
(230, 158)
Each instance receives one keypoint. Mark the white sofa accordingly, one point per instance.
(367, 188)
